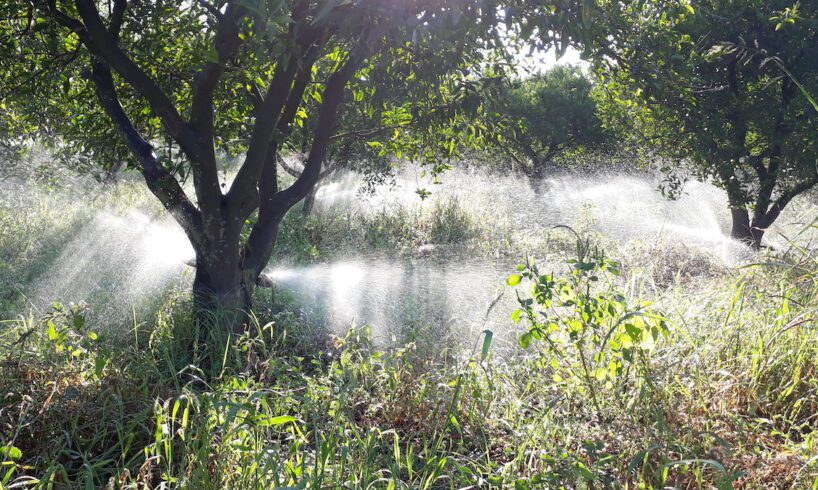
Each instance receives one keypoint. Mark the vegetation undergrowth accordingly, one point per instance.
(711, 384)
(446, 225)
(713, 391)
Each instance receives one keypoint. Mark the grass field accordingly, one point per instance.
(722, 393)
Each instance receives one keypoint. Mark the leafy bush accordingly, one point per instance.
(590, 332)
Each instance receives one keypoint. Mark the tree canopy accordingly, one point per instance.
(716, 84)
(166, 86)
(547, 115)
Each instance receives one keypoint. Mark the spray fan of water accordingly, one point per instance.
(121, 258)
(106, 246)
(620, 207)
(116, 260)
(399, 299)
(454, 293)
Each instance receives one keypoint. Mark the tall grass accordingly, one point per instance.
(732, 403)
(727, 399)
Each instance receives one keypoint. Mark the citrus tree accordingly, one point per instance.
(554, 113)
(715, 84)
(167, 86)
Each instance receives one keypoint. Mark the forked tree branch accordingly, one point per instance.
(292, 171)
(261, 239)
(202, 113)
(264, 198)
(332, 98)
(269, 112)
(161, 183)
(101, 43)
(195, 140)
(266, 118)
(266, 187)
(226, 43)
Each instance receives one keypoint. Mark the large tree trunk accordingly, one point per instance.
(222, 289)
(540, 164)
(745, 231)
(536, 174)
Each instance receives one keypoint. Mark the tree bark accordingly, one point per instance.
(745, 231)
(309, 200)
(222, 297)
(222, 290)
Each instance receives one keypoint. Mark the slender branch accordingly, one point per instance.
(100, 42)
(294, 172)
(262, 237)
(72, 24)
(333, 97)
(512, 154)
(768, 175)
(255, 96)
(117, 17)
(326, 169)
(367, 133)
(226, 43)
(163, 185)
(267, 183)
(283, 128)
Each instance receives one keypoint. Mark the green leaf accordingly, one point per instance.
(486, 344)
(99, 366)
(11, 452)
(584, 471)
(516, 315)
(525, 340)
(688, 462)
(51, 330)
(454, 422)
(279, 420)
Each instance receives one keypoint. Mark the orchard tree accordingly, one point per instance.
(716, 84)
(554, 113)
(168, 85)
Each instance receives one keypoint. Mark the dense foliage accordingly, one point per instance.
(726, 87)
(546, 116)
